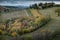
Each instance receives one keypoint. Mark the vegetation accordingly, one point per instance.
(35, 6)
(1, 32)
(42, 6)
(58, 11)
(2, 37)
(19, 26)
(13, 34)
(25, 24)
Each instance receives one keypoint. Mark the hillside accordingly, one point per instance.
(29, 24)
(51, 27)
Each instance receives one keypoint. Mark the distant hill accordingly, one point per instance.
(16, 7)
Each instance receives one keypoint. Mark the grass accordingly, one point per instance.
(19, 23)
(38, 18)
(52, 25)
(35, 12)
(29, 12)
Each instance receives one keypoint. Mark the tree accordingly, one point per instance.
(35, 6)
(40, 4)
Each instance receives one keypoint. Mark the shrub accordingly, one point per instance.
(23, 31)
(1, 32)
(13, 34)
(26, 30)
(40, 20)
(20, 32)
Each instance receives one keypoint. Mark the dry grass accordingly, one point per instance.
(35, 12)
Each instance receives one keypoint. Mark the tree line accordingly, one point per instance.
(42, 6)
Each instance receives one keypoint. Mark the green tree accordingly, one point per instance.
(35, 6)
(40, 4)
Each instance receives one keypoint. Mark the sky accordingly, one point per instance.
(27, 0)
(23, 2)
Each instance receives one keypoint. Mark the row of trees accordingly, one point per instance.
(41, 5)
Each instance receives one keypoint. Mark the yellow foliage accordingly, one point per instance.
(35, 12)
(1, 32)
(13, 34)
(15, 23)
(26, 30)
(40, 19)
(2, 26)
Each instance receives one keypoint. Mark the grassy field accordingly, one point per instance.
(52, 26)
(35, 12)
(21, 22)
(41, 33)
(14, 14)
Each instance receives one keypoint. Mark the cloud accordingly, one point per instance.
(23, 3)
(29, 0)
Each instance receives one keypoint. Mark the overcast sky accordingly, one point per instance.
(23, 2)
(29, 0)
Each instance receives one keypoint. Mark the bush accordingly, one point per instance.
(40, 20)
(26, 30)
(23, 31)
(13, 34)
(1, 32)
(20, 32)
